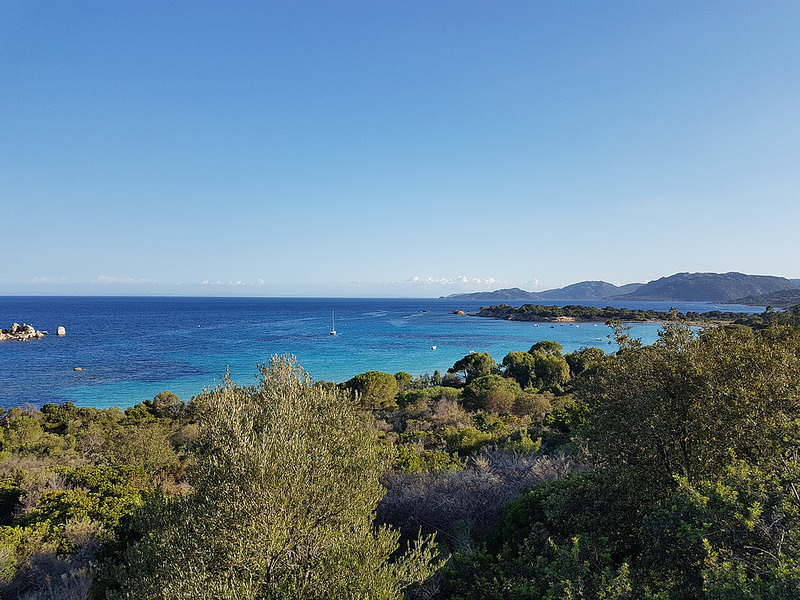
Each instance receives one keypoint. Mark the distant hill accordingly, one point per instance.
(589, 290)
(709, 287)
(780, 299)
(505, 294)
(585, 290)
(681, 287)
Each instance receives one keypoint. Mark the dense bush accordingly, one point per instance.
(285, 485)
(374, 389)
(492, 393)
(691, 494)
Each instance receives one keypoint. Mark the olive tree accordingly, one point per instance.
(285, 487)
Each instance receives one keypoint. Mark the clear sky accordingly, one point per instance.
(394, 148)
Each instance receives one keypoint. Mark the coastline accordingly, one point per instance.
(132, 348)
(577, 314)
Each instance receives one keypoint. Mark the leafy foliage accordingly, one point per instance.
(538, 312)
(374, 389)
(692, 494)
(680, 480)
(520, 366)
(474, 365)
(492, 393)
(285, 488)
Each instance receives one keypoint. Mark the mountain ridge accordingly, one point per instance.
(680, 287)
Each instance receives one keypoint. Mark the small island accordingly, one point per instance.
(22, 333)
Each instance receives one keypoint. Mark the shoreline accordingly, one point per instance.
(690, 323)
(577, 314)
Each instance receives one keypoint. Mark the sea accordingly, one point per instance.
(119, 351)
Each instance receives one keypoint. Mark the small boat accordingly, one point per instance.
(333, 324)
(433, 347)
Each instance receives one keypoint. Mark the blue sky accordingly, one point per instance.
(394, 148)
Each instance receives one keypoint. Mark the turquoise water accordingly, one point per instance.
(130, 349)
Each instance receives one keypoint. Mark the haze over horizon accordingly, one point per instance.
(394, 149)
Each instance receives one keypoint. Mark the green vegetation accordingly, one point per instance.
(690, 481)
(284, 487)
(662, 472)
(538, 312)
(374, 389)
(474, 365)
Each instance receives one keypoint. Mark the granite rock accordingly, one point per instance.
(22, 333)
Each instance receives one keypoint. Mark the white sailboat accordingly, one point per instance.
(333, 323)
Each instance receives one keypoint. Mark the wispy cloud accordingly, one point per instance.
(48, 280)
(461, 280)
(533, 284)
(111, 280)
(229, 283)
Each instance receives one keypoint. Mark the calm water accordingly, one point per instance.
(130, 349)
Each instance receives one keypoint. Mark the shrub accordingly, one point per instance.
(491, 392)
(285, 485)
(374, 389)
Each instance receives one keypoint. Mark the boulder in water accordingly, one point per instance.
(22, 333)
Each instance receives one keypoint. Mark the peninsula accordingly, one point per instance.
(577, 313)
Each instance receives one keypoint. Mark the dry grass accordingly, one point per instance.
(64, 581)
(50, 574)
(447, 411)
(461, 507)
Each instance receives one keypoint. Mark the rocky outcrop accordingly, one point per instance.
(22, 333)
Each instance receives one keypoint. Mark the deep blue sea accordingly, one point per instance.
(132, 348)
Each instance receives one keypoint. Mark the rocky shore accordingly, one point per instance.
(22, 333)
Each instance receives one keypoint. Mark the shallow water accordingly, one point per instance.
(130, 349)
